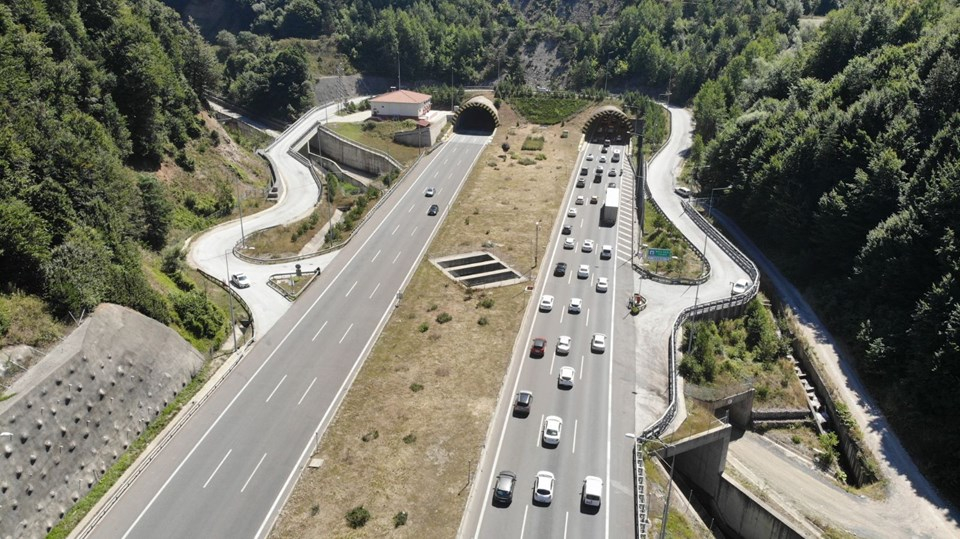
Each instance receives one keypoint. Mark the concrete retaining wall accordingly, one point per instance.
(353, 155)
(747, 516)
(75, 412)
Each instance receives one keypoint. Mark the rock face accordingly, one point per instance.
(76, 411)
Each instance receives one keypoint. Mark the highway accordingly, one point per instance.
(231, 466)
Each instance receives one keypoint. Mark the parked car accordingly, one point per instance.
(598, 343)
(563, 345)
(602, 284)
(583, 272)
(240, 280)
(552, 426)
(521, 405)
(740, 286)
(543, 487)
(546, 303)
(592, 491)
(434, 209)
(576, 304)
(566, 376)
(538, 347)
(503, 489)
(430, 192)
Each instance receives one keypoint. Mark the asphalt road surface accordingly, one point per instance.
(229, 469)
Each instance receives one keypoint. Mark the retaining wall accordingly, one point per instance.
(354, 155)
(747, 516)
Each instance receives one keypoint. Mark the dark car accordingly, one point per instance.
(613, 172)
(566, 230)
(434, 209)
(581, 183)
(503, 489)
(561, 269)
(521, 406)
(539, 344)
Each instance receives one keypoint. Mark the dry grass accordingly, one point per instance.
(380, 137)
(698, 420)
(460, 365)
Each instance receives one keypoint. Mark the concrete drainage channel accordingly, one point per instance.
(477, 270)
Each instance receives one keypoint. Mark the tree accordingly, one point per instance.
(77, 275)
(24, 244)
(158, 212)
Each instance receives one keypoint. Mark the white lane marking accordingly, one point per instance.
(588, 318)
(554, 358)
(351, 289)
(395, 230)
(539, 429)
(374, 291)
(414, 231)
(566, 517)
(562, 313)
(524, 526)
(317, 334)
(215, 470)
(410, 210)
(345, 334)
(396, 257)
(307, 391)
(575, 422)
(376, 255)
(581, 367)
(253, 472)
(276, 388)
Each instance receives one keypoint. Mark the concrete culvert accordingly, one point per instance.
(477, 116)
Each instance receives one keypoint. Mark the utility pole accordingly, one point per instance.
(243, 237)
(233, 320)
(536, 245)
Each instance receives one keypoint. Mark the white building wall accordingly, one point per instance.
(409, 110)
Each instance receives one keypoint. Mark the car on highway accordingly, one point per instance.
(543, 487)
(598, 343)
(240, 280)
(580, 200)
(592, 491)
(521, 405)
(561, 269)
(430, 192)
(740, 286)
(604, 149)
(546, 303)
(612, 185)
(576, 304)
(616, 156)
(552, 426)
(589, 157)
(603, 159)
(566, 230)
(583, 272)
(612, 173)
(587, 246)
(583, 171)
(569, 243)
(563, 345)
(565, 378)
(538, 347)
(594, 199)
(434, 209)
(572, 212)
(683, 192)
(606, 252)
(580, 182)
(599, 171)
(503, 489)
(602, 284)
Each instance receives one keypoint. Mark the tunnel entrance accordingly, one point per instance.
(608, 123)
(477, 116)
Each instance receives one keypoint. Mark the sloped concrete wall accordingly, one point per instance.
(353, 155)
(749, 517)
(75, 412)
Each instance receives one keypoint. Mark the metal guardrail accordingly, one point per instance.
(226, 288)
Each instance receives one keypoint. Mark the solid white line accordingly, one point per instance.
(253, 472)
(581, 367)
(566, 517)
(396, 257)
(351, 289)
(539, 430)
(276, 388)
(376, 255)
(574, 450)
(374, 291)
(524, 526)
(317, 334)
(414, 231)
(215, 470)
(395, 230)
(307, 391)
(554, 358)
(345, 334)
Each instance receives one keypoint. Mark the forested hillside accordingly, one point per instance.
(844, 154)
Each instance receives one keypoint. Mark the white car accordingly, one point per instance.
(563, 345)
(594, 199)
(587, 246)
(569, 243)
(543, 487)
(546, 303)
(682, 192)
(583, 272)
(572, 212)
(576, 304)
(565, 379)
(592, 491)
(602, 284)
(430, 192)
(598, 343)
(589, 157)
(606, 252)
(579, 201)
(552, 426)
(740, 286)
(240, 280)
(603, 159)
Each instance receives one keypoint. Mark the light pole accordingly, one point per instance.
(233, 320)
(703, 262)
(243, 237)
(536, 244)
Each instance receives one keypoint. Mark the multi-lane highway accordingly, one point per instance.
(599, 408)
(230, 467)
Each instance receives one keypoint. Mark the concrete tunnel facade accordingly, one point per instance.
(477, 115)
(607, 120)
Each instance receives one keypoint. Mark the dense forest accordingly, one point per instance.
(844, 154)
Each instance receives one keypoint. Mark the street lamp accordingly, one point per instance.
(703, 263)
(536, 244)
(243, 237)
(233, 320)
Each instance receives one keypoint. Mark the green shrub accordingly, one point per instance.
(483, 321)
(532, 143)
(422, 328)
(444, 317)
(487, 303)
(399, 519)
(198, 315)
(795, 439)
(416, 388)
(372, 435)
(357, 517)
(526, 161)
(410, 438)
(432, 307)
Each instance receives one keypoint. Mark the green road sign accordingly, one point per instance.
(658, 255)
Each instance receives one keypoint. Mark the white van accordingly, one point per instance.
(592, 491)
(606, 252)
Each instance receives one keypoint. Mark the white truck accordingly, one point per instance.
(608, 213)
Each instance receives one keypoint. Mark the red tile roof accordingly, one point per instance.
(401, 96)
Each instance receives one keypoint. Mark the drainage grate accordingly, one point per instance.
(478, 270)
